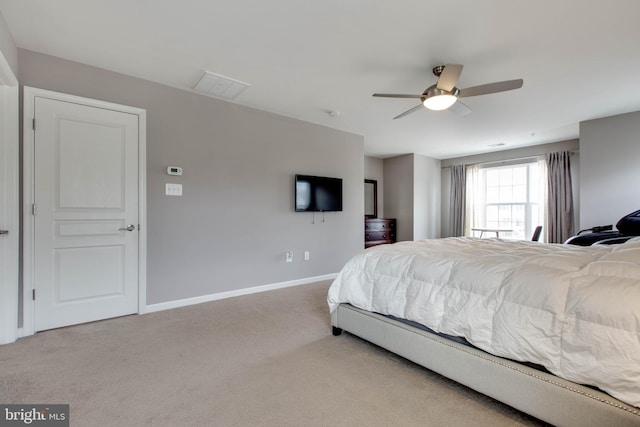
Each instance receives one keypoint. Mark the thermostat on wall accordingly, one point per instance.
(174, 170)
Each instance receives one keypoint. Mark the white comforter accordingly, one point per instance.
(574, 310)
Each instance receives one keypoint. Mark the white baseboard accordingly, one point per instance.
(222, 295)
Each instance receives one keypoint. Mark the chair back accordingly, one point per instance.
(536, 234)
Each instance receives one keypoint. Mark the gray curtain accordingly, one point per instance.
(559, 197)
(457, 203)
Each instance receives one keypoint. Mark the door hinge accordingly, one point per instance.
(33, 124)
(33, 209)
(34, 294)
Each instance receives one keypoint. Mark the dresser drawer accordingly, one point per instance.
(378, 225)
(376, 235)
(379, 231)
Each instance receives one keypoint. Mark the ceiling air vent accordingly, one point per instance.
(220, 86)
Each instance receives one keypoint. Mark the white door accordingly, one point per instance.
(85, 213)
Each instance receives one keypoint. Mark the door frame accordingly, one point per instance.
(30, 94)
(9, 139)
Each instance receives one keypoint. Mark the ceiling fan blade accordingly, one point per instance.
(491, 88)
(411, 110)
(396, 95)
(449, 77)
(460, 108)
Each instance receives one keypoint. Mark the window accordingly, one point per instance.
(506, 197)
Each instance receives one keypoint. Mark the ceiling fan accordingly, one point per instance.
(444, 93)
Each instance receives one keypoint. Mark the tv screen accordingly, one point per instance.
(318, 194)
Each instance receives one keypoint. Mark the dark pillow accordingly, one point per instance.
(630, 224)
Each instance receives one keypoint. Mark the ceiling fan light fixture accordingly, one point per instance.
(439, 99)
(439, 102)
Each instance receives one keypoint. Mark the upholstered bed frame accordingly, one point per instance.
(537, 393)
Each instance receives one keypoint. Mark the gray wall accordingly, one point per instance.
(505, 155)
(374, 169)
(426, 196)
(398, 194)
(610, 169)
(235, 221)
(7, 46)
(412, 195)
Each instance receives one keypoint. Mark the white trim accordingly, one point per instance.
(9, 138)
(246, 291)
(142, 211)
(27, 219)
(30, 93)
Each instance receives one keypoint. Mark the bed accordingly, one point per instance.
(552, 330)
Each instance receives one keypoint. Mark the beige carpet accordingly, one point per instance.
(266, 359)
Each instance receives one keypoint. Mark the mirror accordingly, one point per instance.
(370, 198)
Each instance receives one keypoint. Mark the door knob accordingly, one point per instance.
(4, 231)
(130, 227)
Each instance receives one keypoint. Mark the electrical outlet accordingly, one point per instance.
(289, 256)
(306, 255)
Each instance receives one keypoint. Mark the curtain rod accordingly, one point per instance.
(516, 159)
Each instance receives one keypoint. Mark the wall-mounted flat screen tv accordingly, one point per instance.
(318, 194)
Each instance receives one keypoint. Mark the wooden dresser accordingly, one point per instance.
(379, 231)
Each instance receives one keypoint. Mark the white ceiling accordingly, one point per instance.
(580, 59)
